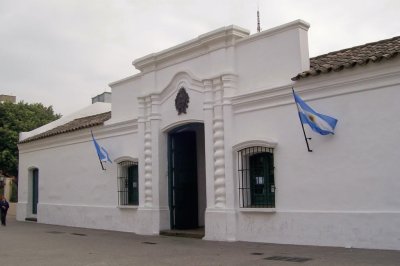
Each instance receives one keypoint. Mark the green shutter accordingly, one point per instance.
(262, 180)
(133, 185)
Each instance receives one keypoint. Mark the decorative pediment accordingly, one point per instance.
(181, 80)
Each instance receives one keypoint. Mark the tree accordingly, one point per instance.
(15, 118)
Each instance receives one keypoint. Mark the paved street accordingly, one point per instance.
(33, 244)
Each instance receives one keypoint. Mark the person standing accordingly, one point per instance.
(3, 209)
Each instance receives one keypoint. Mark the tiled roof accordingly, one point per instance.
(351, 57)
(79, 123)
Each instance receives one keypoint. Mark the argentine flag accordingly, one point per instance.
(320, 123)
(101, 152)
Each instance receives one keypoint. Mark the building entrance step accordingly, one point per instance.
(189, 233)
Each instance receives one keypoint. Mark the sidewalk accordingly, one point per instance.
(37, 244)
(12, 210)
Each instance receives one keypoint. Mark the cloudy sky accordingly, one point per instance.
(63, 52)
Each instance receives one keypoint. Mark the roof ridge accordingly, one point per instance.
(103, 113)
(372, 52)
(71, 126)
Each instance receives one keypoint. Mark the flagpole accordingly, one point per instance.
(101, 163)
(302, 126)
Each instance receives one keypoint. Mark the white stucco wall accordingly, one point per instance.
(270, 58)
(73, 189)
(124, 98)
(344, 193)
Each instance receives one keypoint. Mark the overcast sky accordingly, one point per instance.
(63, 52)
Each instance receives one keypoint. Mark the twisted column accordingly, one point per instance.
(148, 182)
(219, 148)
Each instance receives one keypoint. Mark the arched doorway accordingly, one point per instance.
(186, 176)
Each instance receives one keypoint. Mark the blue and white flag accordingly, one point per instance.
(101, 152)
(320, 123)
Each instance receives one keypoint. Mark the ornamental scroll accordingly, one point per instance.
(182, 101)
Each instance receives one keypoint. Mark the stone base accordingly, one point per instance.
(220, 225)
(151, 221)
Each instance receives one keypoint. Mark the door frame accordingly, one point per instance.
(194, 127)
(33, 194)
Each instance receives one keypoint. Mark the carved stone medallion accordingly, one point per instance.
(182, 101)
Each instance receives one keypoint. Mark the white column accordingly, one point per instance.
(141, 157)
(148, 166)
(219, 147)
(208, 141)
(221, 219)
(155, 119)
(229, 88)
(149, 212)
(155, 124)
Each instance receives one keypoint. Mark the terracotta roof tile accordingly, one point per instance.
(79, 123)
(351, 57)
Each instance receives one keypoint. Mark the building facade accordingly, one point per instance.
(7, 98)
(208, 135)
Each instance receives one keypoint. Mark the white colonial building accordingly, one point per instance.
(208, 135)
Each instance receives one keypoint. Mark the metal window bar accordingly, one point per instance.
(123, 182)
(256, 177)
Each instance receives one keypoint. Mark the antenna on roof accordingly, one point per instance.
(258, 18)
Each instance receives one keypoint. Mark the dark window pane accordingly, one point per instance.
(128, 183)
(256, 177)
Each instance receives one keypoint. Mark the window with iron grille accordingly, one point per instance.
(256, 177)
(128, 183)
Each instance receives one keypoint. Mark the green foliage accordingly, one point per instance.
(15, 118)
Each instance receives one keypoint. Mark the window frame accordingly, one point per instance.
(243, 151)
(125, 179)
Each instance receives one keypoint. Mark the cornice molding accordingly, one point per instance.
(362, 81)
(133, 77)
(220, 38)
(296, 24)
(324, 87)
(262, 99)
(370, 71)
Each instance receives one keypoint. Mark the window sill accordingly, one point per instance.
(271, 210)
(127, 207)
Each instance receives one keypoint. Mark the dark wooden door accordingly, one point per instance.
(35, 190)
(183, 180)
